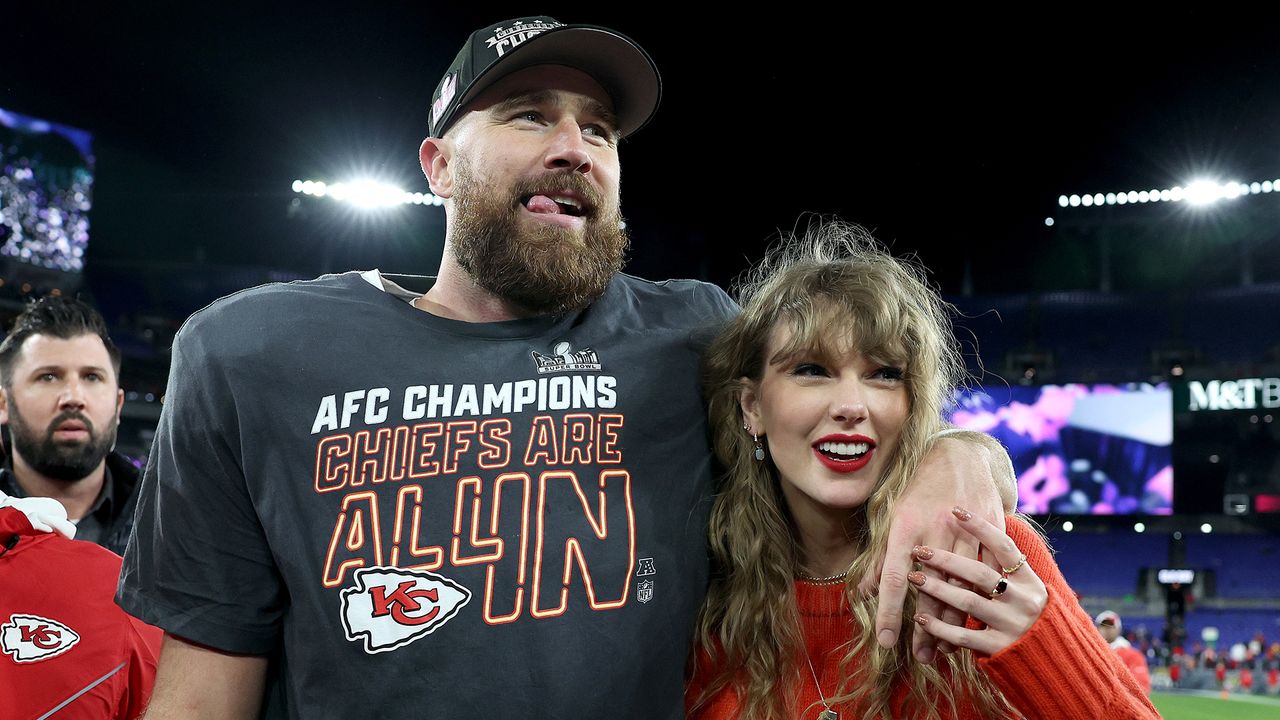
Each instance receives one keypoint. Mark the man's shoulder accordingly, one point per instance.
(274, 309)
(254, 299)
(696, 298)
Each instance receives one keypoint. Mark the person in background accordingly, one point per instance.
(61, 400)
(1109, 625)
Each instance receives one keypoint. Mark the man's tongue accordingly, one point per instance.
(542, 204)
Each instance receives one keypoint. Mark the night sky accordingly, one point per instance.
(950, 135)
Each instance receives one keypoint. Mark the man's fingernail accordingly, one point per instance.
(922, 552)
(915, 578)
(961, 513)
(920, 620)
(887, 637)
(925, 656)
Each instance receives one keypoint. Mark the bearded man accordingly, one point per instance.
(60, 374)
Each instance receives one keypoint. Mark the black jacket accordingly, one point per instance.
(115, 516)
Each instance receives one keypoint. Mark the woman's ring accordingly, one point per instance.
(1009, 571)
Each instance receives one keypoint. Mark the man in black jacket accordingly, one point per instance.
(60, 375)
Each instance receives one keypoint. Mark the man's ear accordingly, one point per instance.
(4, 407)
(749, 401)
(435, 155)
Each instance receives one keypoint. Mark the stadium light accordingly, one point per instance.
(1068, 526)
(1199, 192)
(1139, 527)
(365, 193)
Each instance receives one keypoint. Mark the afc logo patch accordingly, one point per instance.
(31, 638)
(389, 607)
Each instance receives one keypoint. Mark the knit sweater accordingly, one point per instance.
(1061, 668)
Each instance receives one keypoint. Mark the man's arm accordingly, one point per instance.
(194, 682)
(963, 468)
(197, 533)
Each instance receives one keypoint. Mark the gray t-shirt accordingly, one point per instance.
(425, 518)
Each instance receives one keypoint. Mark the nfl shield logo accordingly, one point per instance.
(644, 591)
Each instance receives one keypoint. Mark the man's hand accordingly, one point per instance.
(959, 470)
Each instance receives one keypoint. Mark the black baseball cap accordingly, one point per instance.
(491, 53)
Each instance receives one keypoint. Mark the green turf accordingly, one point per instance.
(1198, 707)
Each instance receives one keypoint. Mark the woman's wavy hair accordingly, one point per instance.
(837, 290)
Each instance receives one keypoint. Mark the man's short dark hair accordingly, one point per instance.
(60, 317)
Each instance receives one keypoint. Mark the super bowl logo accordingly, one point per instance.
(564, 358)
(389, 607)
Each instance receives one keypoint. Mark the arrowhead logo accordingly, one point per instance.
(389, 607)
(31, 638)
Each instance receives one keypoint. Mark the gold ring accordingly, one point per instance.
(1015, 568)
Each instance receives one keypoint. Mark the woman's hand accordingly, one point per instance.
(956, 471)
(1008, 602)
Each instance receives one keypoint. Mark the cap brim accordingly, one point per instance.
(621, 67)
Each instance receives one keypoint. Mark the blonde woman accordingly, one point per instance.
(823, 396)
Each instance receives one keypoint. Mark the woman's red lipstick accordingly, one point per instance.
(851, 462)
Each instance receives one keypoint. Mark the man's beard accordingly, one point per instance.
(56, 460)
(542, 269)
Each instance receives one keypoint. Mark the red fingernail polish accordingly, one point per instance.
(920, 619)
(961, 513)
(922, 552)
(915, 578)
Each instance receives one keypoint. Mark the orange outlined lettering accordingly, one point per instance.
(607, 439)
(615, 483)
(494, 437)
(421, 465)
(333, 462)
(576, 438)
(371, 459)
(398, 456)
(503, 480)
(456, 443)
(365, 518)
(471, 487)
(542, 442)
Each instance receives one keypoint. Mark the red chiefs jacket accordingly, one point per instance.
(66, 650)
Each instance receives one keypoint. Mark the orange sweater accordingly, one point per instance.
(1061, 668)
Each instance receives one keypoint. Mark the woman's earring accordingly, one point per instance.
(759, 453)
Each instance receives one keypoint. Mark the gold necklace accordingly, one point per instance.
(827, 713)
(806, 577)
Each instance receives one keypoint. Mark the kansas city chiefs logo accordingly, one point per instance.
(31, 638)
(389, 607)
